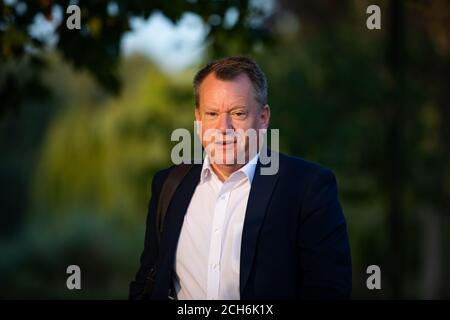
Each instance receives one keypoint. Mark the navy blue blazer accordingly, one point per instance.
(294, 241)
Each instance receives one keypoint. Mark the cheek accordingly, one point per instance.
(208, 134)
(252, 122)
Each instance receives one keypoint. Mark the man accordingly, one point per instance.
(232, 232)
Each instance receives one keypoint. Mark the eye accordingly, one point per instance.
(239, 115)
(211, 114)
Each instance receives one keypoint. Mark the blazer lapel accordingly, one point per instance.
(258, 200)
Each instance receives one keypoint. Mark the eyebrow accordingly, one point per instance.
(231, 109)
(237, 107)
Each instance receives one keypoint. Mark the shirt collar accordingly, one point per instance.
(248, 169)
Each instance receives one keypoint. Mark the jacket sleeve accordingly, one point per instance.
(323, 244)
(150, 252)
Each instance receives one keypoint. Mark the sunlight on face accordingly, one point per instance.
(227, 111)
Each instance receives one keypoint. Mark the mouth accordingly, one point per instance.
(225, 143)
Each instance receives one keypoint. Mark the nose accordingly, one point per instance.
(224, 122)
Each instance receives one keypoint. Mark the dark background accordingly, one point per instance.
(83, 127)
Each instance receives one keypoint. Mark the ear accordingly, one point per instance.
(197, 114)
(198, 120)
(265, 117)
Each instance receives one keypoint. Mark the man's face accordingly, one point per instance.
(226, 110)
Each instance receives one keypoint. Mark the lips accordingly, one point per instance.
(225, 143)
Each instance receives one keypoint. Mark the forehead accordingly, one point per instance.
(214, 90)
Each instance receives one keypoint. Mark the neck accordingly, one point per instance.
(224, 171)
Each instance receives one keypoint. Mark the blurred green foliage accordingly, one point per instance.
(96, 47)
(104, 154)
(76, 165)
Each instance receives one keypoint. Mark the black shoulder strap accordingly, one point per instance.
(172, 182)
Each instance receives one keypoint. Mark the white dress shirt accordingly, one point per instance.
(207, 258)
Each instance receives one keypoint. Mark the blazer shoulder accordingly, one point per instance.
(161, 175)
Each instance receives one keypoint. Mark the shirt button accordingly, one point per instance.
(215, 266)
(222, 197)
(216, 230)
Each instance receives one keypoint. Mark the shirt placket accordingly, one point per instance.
(214, 267)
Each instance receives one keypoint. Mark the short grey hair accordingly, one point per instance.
(230, 68)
